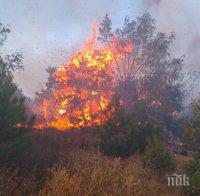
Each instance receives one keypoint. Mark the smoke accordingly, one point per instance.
(156, 2)
(47, 32)
(150, 3)
(40, 29)
(193, 50)
(182, 18)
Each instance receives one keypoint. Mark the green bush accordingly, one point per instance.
(13, 152)
(192, 126)
(192, 170)
(126, 132)
(157, 156)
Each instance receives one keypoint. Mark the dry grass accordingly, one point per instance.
(71, 164)
(91, 173)
(13, 183)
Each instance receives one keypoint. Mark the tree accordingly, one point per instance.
(78, 92)
(157, 156)
(192, 170)
(147, 86)
(148, 72)
(12, 108)
(126, 132)
(192, 126)
(14, 122)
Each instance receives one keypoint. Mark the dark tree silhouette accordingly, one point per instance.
(149, 72)
(12, 108)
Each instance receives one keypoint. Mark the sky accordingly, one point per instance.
(48, 31)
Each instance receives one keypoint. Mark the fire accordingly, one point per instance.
(79, 91)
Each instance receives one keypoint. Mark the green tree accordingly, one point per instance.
(13, 119)
(148, 86)
(192, 170)
(192, 126)
(12, 109)
(148, 72)
(126, 132)
(157, 156)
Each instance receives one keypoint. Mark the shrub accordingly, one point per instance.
(157, 156)
(192, 126)
(91, 173)
(126, 132)
(13, 152)
(192, 170)
(12, 182)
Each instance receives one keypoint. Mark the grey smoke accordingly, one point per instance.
(181, 17)
(48, 31)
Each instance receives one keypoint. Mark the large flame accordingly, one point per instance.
(79, 91)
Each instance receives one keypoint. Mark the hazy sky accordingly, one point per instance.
(47, 31)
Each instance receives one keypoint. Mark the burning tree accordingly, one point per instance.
(148, 94)
(79, 91)
(132, 63)
(147, 73)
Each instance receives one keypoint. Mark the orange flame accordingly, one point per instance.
(83, 87)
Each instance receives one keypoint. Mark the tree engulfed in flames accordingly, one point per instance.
(79, 91)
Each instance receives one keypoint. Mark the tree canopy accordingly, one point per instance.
(12, 108)
(148, 72)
